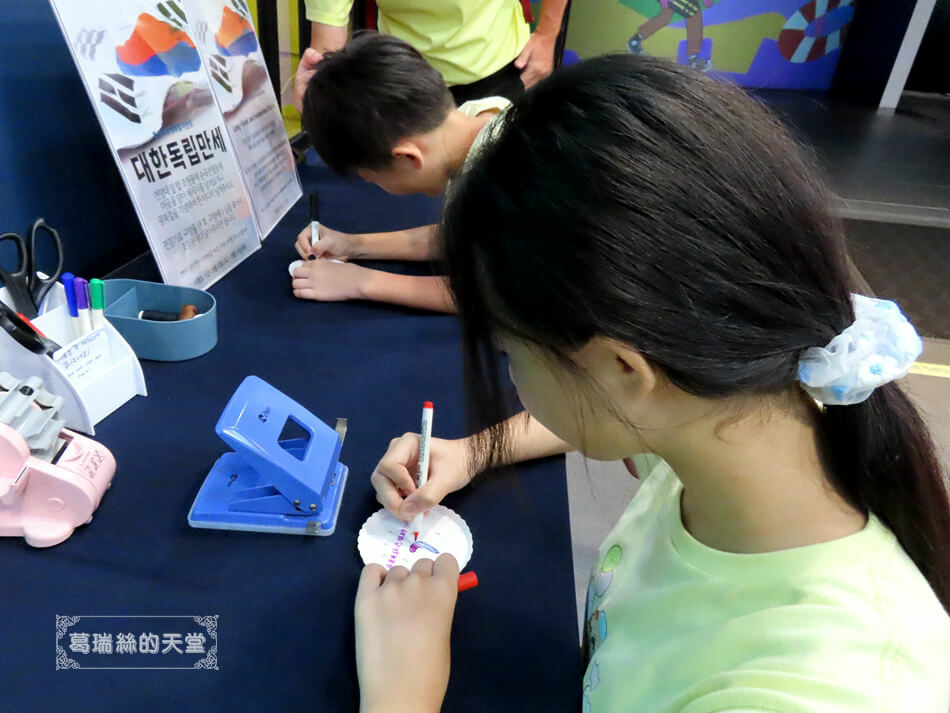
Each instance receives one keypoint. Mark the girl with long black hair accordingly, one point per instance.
(666, 275)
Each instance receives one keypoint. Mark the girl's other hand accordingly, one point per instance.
(403, 622)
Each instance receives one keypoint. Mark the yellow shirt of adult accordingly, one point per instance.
(465, 40)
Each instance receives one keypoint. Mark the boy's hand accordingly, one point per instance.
(327, 281)
(403, 622)
(332, 244)
(395, 476)
(303, 242)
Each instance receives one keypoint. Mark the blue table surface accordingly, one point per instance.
(284, 603)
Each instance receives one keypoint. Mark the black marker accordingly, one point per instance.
(314, 221)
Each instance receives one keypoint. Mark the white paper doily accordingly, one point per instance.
(297, 263)
(387, 541)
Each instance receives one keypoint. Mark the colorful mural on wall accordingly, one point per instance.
(790, 44)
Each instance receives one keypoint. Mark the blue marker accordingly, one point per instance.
(81, 288)
(68, 280)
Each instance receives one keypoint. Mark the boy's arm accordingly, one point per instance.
(327, 281)
(413, 244)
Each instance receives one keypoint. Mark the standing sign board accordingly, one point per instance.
(184, 99)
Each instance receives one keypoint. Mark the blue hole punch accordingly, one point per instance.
(269, 483)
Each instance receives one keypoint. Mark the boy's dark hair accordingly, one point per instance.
(367, 96)
(633, 199)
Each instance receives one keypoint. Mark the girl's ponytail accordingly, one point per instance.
(883, 459)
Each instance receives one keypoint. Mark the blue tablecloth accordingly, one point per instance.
(284, 603)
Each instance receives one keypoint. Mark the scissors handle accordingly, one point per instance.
(21, 251)
(39, 286)
(17, 281)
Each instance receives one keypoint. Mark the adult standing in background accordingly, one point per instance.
(481, 47)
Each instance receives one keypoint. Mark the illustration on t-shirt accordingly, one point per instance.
(591, 681)
(596, 617)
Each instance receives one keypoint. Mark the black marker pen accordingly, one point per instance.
(314, 221)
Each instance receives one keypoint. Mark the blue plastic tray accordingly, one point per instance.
(161, 341)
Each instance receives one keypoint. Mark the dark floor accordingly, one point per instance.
(885, 166)
(909, 264)
(891, 171)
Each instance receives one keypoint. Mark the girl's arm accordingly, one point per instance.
(403, 621)
(450, 465)
(407, 616)
(530, 440)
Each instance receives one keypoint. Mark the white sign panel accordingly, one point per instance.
(226, 39)
(151, 90)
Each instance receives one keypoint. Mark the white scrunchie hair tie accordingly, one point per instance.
(877, 348)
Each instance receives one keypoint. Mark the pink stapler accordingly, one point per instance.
(51, 479)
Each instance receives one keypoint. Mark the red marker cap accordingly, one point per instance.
(427, 404)
(467, 580)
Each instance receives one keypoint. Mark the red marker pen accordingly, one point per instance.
(467, 580)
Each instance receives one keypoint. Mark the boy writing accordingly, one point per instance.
(378, 109)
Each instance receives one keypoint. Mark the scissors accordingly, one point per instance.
(25, 334)
(27, 289)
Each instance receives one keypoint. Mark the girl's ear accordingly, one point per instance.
(633, 375)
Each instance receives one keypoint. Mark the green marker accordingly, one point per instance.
(97, 291)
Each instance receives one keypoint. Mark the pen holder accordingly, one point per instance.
(95, 374)
(162, 341)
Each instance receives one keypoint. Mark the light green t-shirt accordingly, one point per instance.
(465, 40)
(848, 626)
